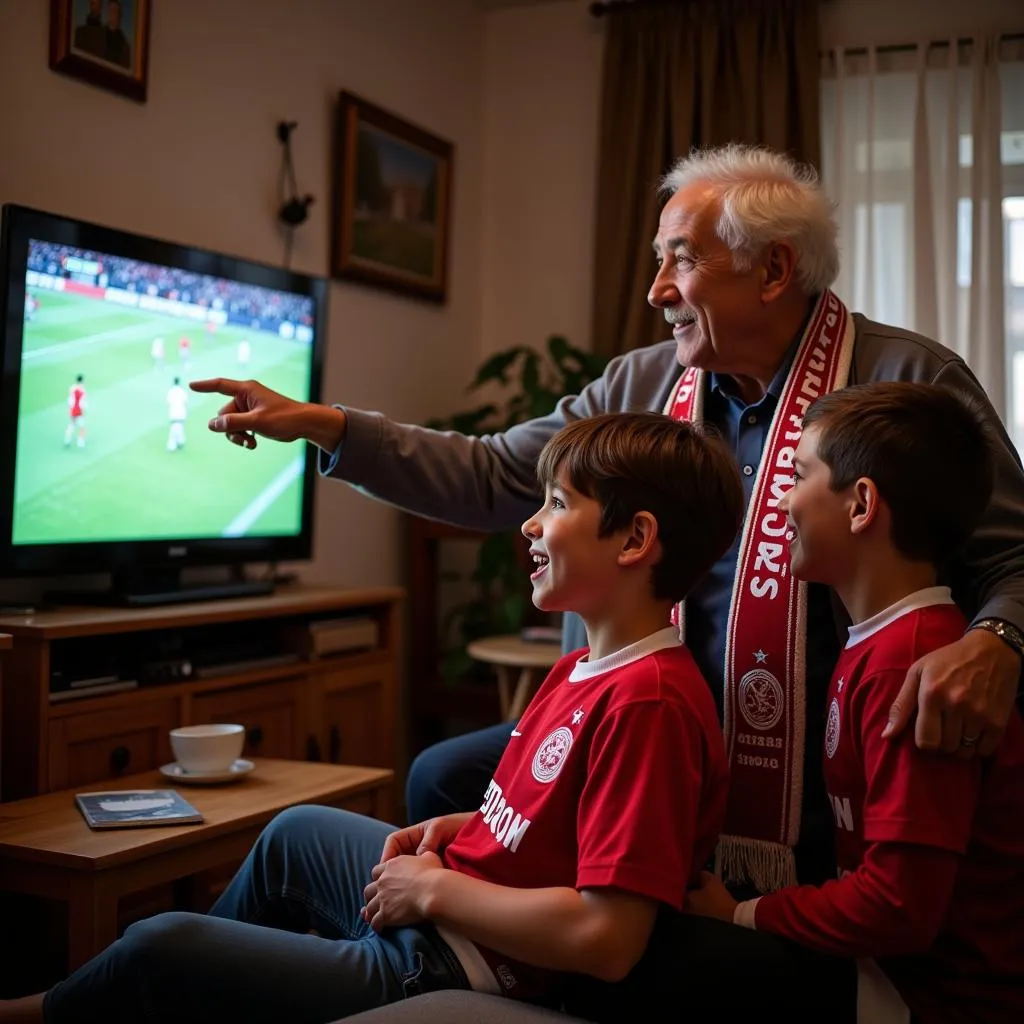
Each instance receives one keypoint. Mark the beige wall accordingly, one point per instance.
(542, 71)
(199, 164)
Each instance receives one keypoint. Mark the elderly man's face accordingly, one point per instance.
(114, 15)
(714, 310)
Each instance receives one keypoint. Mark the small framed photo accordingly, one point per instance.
(105, 42)
(392, 189)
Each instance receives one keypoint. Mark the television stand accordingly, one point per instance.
(150, 589)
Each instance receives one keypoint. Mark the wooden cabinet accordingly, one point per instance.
(296, 698)
(352, 717)
(99, 745)
(270, 714)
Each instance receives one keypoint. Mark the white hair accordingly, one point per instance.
(766, 197)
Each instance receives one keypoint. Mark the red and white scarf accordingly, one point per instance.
(765, 644)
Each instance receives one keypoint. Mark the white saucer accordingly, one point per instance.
(238, 770)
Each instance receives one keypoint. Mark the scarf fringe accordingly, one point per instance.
(767, 866)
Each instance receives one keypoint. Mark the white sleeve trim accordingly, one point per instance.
(744, 914)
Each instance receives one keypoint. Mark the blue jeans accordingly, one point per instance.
(452, 775)
(251, 958)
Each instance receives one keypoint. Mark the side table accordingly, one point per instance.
(509, 654)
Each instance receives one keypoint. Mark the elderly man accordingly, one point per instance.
(745, 253)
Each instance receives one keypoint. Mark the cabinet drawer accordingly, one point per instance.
(354, 726)
(269, 714)
(107, 744)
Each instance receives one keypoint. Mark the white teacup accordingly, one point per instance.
(207, 748)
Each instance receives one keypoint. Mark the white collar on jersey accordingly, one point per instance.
(659, 641)
(911, 603)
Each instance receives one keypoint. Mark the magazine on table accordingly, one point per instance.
(135, 808)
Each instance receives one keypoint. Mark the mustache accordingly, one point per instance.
(680, 315)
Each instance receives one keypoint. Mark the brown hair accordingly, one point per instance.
(681, 473)
(927, 450)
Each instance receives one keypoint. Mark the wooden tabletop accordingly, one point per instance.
(50, 829)
(5, 641)
(511, 650)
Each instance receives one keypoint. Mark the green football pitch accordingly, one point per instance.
(124, 483)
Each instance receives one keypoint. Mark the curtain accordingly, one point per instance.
(679, 75)
(923, 153)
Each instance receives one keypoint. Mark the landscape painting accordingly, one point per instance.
(391, 210)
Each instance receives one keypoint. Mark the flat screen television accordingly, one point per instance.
(106, 462)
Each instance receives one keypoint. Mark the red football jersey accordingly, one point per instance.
(888, 795)
(76, 400)
(613, 778)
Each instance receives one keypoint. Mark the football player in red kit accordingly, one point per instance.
(76, 413)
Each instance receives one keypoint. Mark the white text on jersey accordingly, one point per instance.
(507, 826)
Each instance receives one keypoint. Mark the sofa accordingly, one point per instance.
(461, 1008)
(724, 970)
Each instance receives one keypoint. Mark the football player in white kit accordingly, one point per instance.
(177, 410)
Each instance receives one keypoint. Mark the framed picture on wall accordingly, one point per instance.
(105, 42)
(392, 189)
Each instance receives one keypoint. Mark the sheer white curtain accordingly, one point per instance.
(923, 152)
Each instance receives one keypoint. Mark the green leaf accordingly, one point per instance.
(559, 348)
(496, 368)
(543, 401)
(495, 553)
(455, 664)
(513, 613)
(531, 371)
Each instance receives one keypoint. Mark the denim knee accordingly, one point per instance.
(295, 821)
(160, 939)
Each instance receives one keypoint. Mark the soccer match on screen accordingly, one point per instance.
(112, 444)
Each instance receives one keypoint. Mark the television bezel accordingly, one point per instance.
(19, 224)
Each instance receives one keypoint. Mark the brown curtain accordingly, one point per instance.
(678, 75)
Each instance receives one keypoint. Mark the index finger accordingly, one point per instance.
(218, 385)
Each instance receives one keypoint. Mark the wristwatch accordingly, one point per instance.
(1006, 631)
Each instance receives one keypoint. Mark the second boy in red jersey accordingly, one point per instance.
(891, 479)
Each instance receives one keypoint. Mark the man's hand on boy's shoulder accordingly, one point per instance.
(963, 693)
(710, 899)
(395, 896)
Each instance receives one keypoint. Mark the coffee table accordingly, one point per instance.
(47, 850)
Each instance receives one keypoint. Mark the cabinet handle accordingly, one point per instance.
(254, 736)
(335, 745)
(312, 748)
(119, 758)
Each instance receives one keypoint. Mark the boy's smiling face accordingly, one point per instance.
(574, 569)
(820, 539)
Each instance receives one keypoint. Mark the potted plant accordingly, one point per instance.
(531, 384)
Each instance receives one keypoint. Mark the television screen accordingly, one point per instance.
(110, 448)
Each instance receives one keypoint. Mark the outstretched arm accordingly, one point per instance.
(482, 483)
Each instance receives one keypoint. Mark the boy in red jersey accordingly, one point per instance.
(890, 480)
(76, 412)
(606, 805)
